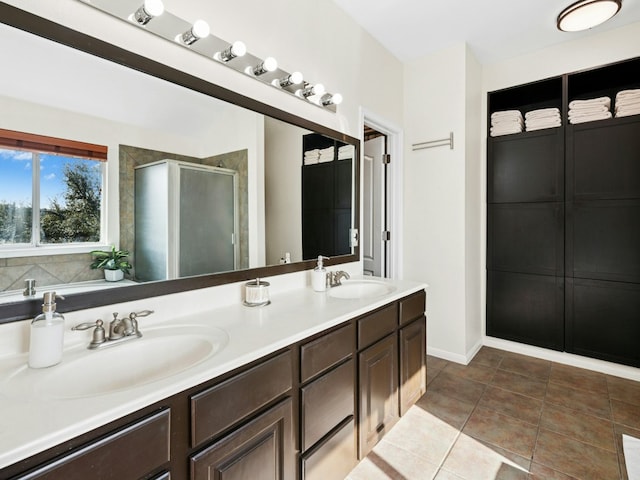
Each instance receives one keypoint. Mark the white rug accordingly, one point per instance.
(631, 447)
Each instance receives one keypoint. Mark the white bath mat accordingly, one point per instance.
(631, 447)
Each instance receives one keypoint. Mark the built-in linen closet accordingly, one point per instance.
(563, 216)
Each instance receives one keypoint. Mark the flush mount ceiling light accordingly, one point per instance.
(147, 11)
(587, 14)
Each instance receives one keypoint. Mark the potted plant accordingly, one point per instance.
(113, 262)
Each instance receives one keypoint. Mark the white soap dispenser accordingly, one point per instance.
(47, 335)
(319, 275)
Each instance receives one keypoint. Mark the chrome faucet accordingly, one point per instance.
(120, 330)
(334, 279)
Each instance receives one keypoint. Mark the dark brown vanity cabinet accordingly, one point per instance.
(563, 222)
(306, 412)
(391, 366)
(327, 405)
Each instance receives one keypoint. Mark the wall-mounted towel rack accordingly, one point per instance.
(434, 143)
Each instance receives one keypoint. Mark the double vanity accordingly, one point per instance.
(301, 388)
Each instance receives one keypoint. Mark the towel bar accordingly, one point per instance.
(434, 143)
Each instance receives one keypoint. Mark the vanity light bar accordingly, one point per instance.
(151, 16)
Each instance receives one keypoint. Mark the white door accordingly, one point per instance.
(374, 200)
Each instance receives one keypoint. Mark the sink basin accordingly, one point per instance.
(160, 353)
(353, 289)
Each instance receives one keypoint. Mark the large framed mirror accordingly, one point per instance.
(183, 157)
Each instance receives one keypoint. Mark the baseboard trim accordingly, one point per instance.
(456, 357)
(624, 371)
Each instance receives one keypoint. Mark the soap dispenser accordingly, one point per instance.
(319, 275)
(47, 335)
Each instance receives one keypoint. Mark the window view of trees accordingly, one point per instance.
(70, 193)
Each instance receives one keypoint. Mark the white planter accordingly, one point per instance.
(113, 275)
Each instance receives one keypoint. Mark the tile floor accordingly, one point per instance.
(509, 416)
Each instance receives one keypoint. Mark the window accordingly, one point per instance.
(63, 178)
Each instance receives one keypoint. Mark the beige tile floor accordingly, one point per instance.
(509, 416)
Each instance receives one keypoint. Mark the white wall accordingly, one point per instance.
(283, 148)
(434, 194)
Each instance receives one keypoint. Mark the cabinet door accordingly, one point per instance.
(378, 367)
(263, 449)
(413, 363)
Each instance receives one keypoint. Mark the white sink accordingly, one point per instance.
(160, 353)
(353, 289)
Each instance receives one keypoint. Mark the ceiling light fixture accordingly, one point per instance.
(293, 79)
(199, 29)
(147, 11)
(586, 14)
(236, 49)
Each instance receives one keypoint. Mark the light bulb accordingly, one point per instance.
(309, 90)
(328, 99)
(237, 49)
(292, 79)
(199, 29)
(269, 64)
(147, 11)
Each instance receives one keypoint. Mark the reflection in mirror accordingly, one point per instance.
(273, 209)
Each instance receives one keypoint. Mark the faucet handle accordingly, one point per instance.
(143, 313)
(98, 334)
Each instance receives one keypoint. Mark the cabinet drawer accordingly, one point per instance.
(333, 459)
(132, 452)
(223, 405)
(326, 402)
(325, 352)
(412, 307)
(376, 325)
(262, 449)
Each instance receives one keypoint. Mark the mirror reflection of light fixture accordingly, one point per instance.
(586, 14)
(147, 11)
(269, 64)
(236, 49)
(294, 78)
(310, 90)
(199, 29)
(331, 99)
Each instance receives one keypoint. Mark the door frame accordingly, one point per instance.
(395, 182)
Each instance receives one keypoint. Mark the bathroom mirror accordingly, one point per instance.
(146, 112)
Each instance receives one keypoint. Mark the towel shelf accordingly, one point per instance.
(434, 143)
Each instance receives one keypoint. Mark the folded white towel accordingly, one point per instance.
(577, 104)
(628, 93)
(588, 110)
(325, 160)
(628, 102)
(549, 118)
(507, 114)
(310, 161)
(627, 112)
(541, 127)
(542, 112)
(590, 118)
(507, 123)
(537, 122)
(495, 131)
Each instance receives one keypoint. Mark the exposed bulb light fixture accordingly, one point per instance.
(147, 11)
(586, 14)
(310, 90)
(329, 99)
(269, 64)
(199, 29)
(294, 78)
(236, 49)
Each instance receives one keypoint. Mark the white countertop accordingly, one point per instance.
(31, 422)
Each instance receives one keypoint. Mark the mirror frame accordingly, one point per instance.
(15, 17)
